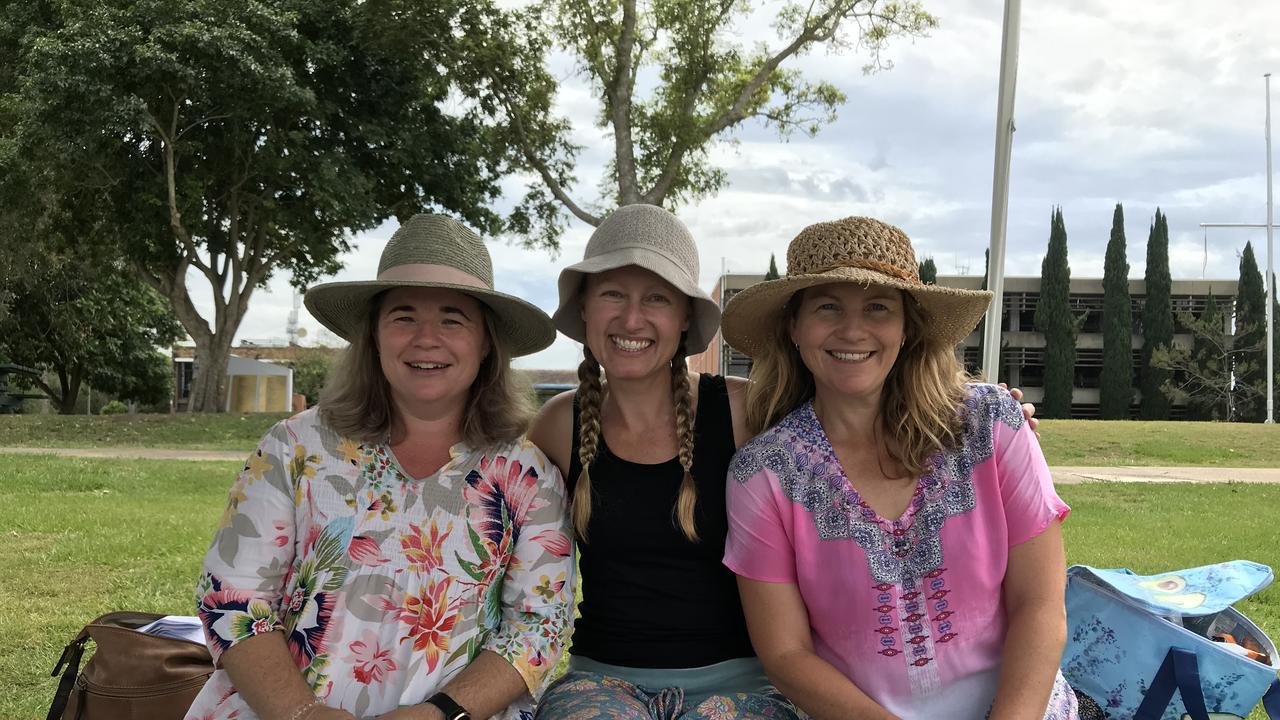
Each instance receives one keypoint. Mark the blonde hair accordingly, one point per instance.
(919, 405)
(590, 401)
(356, 400)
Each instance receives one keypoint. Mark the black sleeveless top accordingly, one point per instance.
(650, 597)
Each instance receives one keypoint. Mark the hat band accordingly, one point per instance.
(874, 265)
(429, 273)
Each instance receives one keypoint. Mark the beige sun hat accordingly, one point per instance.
(646, 236)
(434, 251)
(857, 250)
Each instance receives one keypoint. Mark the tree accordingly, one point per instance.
(672, 83)
(1157, 319)
(773, 269)
(1053, 318)
(310, 371)
(85, 319)
(1250, 336)
(928, 271)
(1202, 375)
(1116, 384)
(236, 138)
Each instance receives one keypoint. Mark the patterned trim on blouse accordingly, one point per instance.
(899, 551)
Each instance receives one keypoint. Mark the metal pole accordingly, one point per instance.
(1271, 276)
(1000, 187)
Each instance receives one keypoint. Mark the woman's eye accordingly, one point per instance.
(877, 307)
(659, 299)
(828, 306)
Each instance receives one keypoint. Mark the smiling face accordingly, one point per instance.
(431, 342)
(633, 321)
(849, 337)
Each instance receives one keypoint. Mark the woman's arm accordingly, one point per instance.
(264, 674)
(552, 430)
(779, 627)
(484, 688)
(1037, 625)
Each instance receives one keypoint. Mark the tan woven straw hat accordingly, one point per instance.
(857, 250)
(437, 252)
(652, 238)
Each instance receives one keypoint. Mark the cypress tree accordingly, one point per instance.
(1157, 319)
(773, 269)
(1053, 318)
(1117, 327)
(928, 271)
(1250, 339)
(982, 324)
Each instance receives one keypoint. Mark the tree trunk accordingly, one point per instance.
(208, 387)
(69, 382)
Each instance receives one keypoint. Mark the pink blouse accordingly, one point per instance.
(910, 607)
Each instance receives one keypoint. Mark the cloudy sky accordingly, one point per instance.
(1144, 102)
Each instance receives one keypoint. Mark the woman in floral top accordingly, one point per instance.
(400, 551)
(895, 530)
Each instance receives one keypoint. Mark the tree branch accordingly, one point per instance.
(620, 90)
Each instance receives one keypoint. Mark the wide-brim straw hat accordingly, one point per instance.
(649, 237)
(434, 251)
(854, 250)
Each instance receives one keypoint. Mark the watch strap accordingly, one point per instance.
(451, 709)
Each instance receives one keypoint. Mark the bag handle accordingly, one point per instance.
(1179, 672)
(1271, 701)
(69, 665)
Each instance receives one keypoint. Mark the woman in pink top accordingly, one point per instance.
(895, 532)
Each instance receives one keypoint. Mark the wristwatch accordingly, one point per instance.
(451, 709)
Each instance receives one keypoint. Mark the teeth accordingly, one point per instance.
(630, 344)
(850, 356)
(428, 366)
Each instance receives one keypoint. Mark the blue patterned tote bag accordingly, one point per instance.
(1143, 647)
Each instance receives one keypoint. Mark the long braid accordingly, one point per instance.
(685, 412)
(590, 396)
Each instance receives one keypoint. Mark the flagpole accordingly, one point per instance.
(1000, 188)
(1271, 275)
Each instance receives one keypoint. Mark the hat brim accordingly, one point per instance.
(342, 306)
(751, 316)
(705, 313)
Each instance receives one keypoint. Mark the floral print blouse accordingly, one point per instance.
(386, 586)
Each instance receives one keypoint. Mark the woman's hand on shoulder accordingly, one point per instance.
(1028, 409)
(552, 429)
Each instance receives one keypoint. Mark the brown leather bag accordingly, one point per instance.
(131, 675)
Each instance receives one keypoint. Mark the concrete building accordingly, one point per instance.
(1023, 352)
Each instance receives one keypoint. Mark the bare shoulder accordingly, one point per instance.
(552, 429)
(737, 389)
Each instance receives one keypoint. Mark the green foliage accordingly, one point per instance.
(1053, 318)
(1203, 376)
(1157, 319)
(1104, 443)
(1250, 340)
(929, 271)
(772, 274)
(1116, 386)
(86, 318)
(697, 83)
(239, 138)
(115, 407)
(238, 433)
(310, 371)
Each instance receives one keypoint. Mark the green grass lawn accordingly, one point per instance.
(82, 537)
(1122, 442)
(1065, 442)
(213, 431)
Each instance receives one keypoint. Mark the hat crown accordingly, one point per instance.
(853, 242)
(430, 239)
(646, 227)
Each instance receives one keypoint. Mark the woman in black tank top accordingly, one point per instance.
(645, 457)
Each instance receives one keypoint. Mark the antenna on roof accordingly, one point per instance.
(291, 329)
